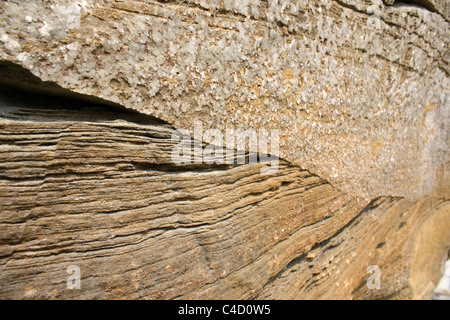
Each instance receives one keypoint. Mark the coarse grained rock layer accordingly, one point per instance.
(89, 186)
(357, 89)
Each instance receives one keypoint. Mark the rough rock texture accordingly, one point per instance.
(357, 88)
(441, 6)
(359, 91)
(96, 187)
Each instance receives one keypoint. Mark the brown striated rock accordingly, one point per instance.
(358, 208)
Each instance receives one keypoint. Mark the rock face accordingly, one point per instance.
(359, 92)
(89, 186)
(355, 87)
(442, 7)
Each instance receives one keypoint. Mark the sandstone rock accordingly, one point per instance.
(358, 90)
(94, 186)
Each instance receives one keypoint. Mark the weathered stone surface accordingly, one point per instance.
(360, 100)
(441, 6)
(358, 89)
(89, 186)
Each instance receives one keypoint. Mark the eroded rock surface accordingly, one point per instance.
(355, 87)
(89, 186)
(359, 91)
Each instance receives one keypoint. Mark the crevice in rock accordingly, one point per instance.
(429, 5)
(23, 90)
(23, 96)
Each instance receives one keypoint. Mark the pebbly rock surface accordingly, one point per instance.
(442, 291)
(93, 91)
(358, 89)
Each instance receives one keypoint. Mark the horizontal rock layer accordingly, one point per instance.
(95, 187)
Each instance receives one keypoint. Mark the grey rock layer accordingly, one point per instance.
(359, 90)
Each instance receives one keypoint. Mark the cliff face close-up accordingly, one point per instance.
(118, 179)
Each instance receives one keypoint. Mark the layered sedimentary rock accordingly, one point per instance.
(93, 187)
(358, 90)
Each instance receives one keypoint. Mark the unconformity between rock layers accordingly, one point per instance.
(87, 177)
